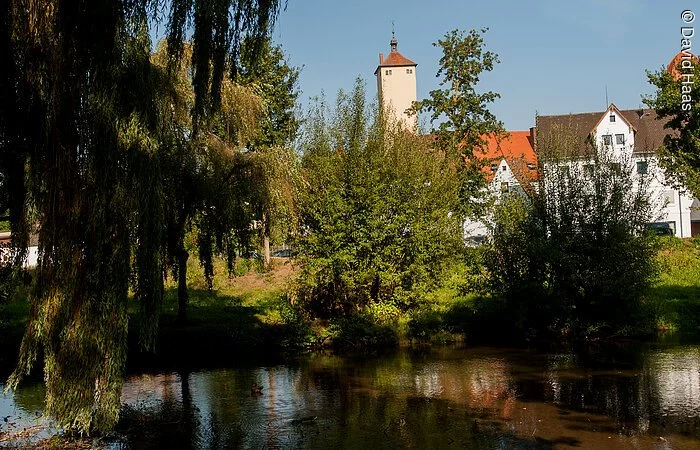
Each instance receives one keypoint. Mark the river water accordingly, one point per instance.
(622, 396)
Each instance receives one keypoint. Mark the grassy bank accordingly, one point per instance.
(249, 316)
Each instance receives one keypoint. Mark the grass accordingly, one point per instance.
(674, 301)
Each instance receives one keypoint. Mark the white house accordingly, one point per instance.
(511, 167)
(631, 135)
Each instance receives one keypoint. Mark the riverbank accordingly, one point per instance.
(249, 316)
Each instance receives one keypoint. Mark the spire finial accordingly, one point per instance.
(394, 43)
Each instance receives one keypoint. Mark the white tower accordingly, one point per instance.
(396, 85)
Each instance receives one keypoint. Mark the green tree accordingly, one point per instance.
(460, 112)
(79, 133)
(576, 254)
(205, 178)
(275, 173)
(376, 214)
(677, 99)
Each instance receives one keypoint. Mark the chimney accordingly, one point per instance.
(533, 135)
(381, 58)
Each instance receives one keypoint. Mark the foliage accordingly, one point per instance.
(376, 215)
(575, 255)
(680, 152)
(461, 112)
(79, 133)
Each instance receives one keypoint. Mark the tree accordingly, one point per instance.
(677, 99)
(461, 113)
(79, 133)
(576, 254)
(376, 212)
(206, 181)
(275, 163)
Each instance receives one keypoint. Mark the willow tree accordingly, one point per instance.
(79, 133)
(274, 163)
(205, 179)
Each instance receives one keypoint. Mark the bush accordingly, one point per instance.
(377, 216)
(575, 257)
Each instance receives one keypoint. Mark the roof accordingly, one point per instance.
(395, 58)
(649, 129)
(517, 148)
(672, 67)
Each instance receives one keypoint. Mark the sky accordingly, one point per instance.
(556, 57)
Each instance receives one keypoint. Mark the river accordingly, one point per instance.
(612, 396)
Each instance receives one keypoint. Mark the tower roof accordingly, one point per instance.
(395, 58)
(672, 67)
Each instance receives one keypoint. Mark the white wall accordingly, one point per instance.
(673, 206)
(397, 92)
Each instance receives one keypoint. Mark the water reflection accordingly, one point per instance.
(636, 397)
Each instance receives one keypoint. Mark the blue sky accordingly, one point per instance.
(556, 57)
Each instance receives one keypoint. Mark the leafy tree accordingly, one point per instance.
(460, 112)
(376, 214)
(79, 133)
(576, 254)
(205, 178)
(275, 164)
(680, 152)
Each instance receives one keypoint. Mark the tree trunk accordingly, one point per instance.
(266, 242)
(182, 258)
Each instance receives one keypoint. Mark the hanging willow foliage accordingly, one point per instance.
(80, 127)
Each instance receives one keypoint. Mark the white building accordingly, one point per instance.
(630, 135)
(510, 168)
(396, 85)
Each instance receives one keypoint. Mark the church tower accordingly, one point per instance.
(396, 85)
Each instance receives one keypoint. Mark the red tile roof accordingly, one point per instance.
(517, 148)
(396, 59)
(672, 67)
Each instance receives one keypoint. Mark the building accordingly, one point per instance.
(396, 85)
(630, 135)
(510, 168)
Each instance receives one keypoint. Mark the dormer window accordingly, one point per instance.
(531, 166)
(494, 167)
(612, 118)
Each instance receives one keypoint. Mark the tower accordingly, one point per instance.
(396, 85)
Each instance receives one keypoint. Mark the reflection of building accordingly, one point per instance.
(396, 85)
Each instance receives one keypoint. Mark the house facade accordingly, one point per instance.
(632, 136)
(510, 168)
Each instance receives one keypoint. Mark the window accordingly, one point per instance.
(504, 186)
(504, 167)
(612, 117)
(588, 169)
(670, 197)
(409, 70)
(607, 139)
(620, 139)
(494, 167)
(387, 72)
(642, 167)
(564, 171)
(531, 166)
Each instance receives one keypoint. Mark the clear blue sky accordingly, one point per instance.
(556, 57)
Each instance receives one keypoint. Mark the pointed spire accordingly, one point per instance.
(394, 43)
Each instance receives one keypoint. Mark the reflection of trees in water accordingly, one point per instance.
(423, 401)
